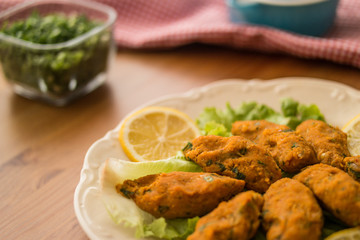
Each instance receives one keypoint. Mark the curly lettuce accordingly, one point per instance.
(215, 121)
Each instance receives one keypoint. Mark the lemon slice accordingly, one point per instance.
(352, 129)
(155, 133)
(346, 234)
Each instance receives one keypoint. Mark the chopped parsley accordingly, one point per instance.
(55, 72)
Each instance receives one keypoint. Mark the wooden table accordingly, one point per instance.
(42, 148)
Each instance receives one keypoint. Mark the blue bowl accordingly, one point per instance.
(308, 17)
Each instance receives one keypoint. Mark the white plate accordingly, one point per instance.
(338, 102)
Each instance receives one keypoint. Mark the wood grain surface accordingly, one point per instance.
(42, 148)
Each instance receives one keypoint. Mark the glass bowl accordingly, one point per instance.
(58, 73)
(307, 17)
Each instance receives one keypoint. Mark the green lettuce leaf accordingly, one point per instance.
(223, 117)
(254, 111)
(310, 112)
(169, 229)
(214, 128)
(297, 112)
(215, 121)
(124, 211)
(289, 107)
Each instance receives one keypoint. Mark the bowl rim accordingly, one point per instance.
(277, 2)
(111, 13)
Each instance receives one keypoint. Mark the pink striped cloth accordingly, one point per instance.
(171, 23)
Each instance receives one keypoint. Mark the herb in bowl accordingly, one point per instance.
(54, 56)
(49, 29)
